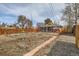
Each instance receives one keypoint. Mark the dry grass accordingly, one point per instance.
(21, 43)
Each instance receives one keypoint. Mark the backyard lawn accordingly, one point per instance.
(21, 43)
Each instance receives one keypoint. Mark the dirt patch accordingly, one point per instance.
(13, 45)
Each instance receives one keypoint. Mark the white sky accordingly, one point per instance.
(38, 12)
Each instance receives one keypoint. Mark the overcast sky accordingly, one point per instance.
(36, 12)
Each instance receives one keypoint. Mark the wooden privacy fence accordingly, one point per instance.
(11, 31)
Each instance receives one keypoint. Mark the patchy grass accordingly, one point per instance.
(21, 43)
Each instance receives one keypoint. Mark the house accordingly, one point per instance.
(44, 28)
(48, 28)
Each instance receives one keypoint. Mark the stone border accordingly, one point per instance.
(35, 50)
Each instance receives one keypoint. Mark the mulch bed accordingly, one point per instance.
(65, 46)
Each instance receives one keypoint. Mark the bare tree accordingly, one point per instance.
(48, 21)
(68, 14)
(24, 22)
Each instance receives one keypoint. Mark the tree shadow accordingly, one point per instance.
(64, 49)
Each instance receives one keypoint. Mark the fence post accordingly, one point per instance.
(77, 34)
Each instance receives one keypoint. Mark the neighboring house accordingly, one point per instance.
(47, 28)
